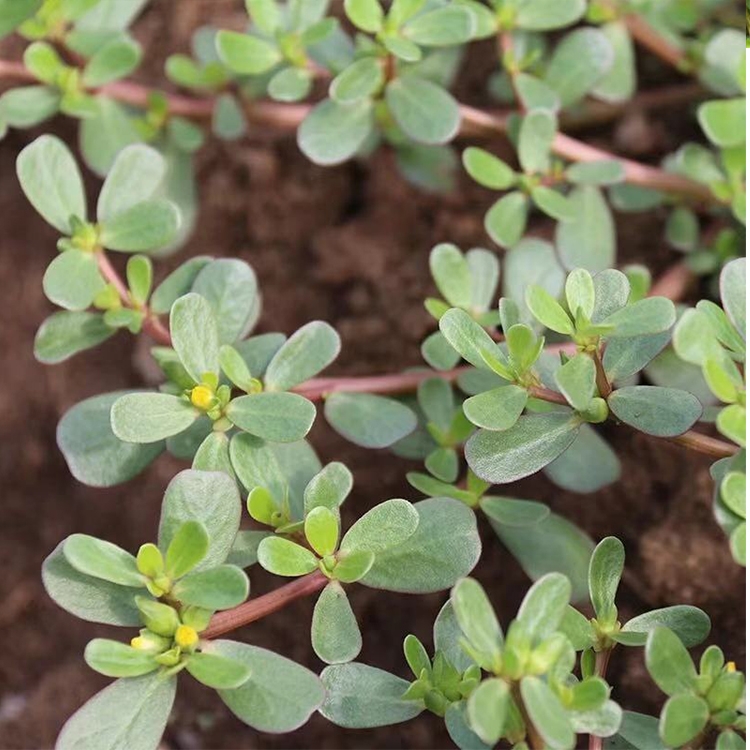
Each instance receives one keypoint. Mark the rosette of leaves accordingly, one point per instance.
(604, 632)
(130, 217)
(395, 546)
(613, 339)
(730, 501)
(172, 589)
(529, 676)
(703, 701)
(714, 339)
(279, 48)
(581, 213)
(395, 66)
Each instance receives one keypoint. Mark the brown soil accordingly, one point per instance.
(348, 245)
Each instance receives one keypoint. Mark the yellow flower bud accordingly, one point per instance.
(139, 642)
(185, 636)
(731, 666)
(202, 397)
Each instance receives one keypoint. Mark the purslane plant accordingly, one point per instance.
(566, 349)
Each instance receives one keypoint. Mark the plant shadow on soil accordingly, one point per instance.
(348, 245)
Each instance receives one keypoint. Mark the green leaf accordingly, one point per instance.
(195, 335)
(91, 599)
(103, 135)
(498, 409)
(245, 54)
(637, 731)
(115, 659)
(446, 634)
(535, 94)
(131, 712)
(544, 606)
(149, 225)
(14, 12)
(733, 285)
(329, 487)
(368, 420)
(576, 380)
(216, 671)
(682, 718)
(322, 530)
(553, 544)
(139, 273)
(487, 709)
(452, 275)
(178, 283)
(664, 412)
(244, 552)
(360, 80)
(643, 318)
(668, 662)
(95, 456)
(487, 169)
(279, 696)
(279, 417)
(366, 15)
(64, 334)
(99, 559)
(353, 566)
(50, 179)
(538, 129)
(723, 122)
(579, 62)
(690, 624)
(553, 203)
(290, 84)
(624, 357)
(580, 292)
(444, 548)
(285, 558)
(588, 240)
(73, 280)
(308, 351)
(506, 220)
(334, 132)
(543, 15)
(731, 423)
(729, 740)
(383, 527)
(547, 714)
(423, 110)
(228, 120)
(359, 697)
(188, 548)
(231, 288)
(620, 83)
(216, 588)
(605, 572)
(605, 172)
(587, 466)
(548, 311)
(116, 59)
(28, 106)
(511, 512)
(209, 497)
(734, 492)
(335, 634)
(477, 621)
(442, 27)
(149, 417)
(469, 339)
(457, 724)
(532, 443)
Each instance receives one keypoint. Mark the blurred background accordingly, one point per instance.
(348, 245)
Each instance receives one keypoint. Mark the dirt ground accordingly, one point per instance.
(348, 245)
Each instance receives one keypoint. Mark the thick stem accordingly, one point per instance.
(534, 740)
(602, 381)
(649, 38)
(600, 669)
(257, 609)
(705, 444)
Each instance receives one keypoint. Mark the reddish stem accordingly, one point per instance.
(256, 609)
(647, 36)
(600, 669)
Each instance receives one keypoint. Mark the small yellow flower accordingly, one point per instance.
(139, 642)
(731, 666)
(202, 397)
(185, 636)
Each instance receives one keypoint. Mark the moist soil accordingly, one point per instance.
(348, 245)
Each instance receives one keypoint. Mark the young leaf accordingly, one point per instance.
(723, 121)
(50, 178)
(535, 138)
(452, 275)
(245, 54)
(368, 420)
(131, 712)
(423, 110)
(115, 659)
(506, 220)
(188, 548)
(580, 293)
(366, 15)
(279, 696)
(576, 380)
(359, 696)
(279, 417)
(468, 338)
(308, 351)
(285, 558)
(100, 559)
(216, 588)
(532, 443)
(322, 530)
(605, 572)
(547, 714)
(149, 417)
(668, 662)
(116, 59)
(216, 671)
(335, 634)
(548, 311)
(329, 487)
(487, 709)
(544, 605)
(384, 527)
(682, 718)
(732, 285)
(477, 619)
(487, 169)
(664, 412)
(498, 409)
(360, 80)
